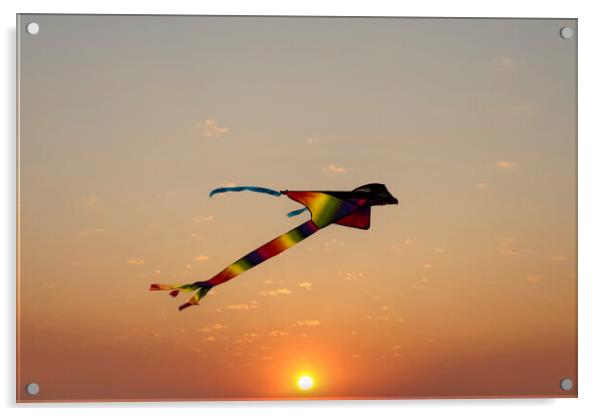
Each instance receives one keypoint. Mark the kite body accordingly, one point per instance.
(351, 209)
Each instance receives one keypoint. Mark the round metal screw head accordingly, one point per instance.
(32, 28)
(566, 32)
(32, 389)
(566, 384)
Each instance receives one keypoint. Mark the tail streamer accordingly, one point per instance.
(245, 188)
(297, 212)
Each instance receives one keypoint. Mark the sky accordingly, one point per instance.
(466, 288)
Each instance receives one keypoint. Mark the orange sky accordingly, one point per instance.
(466, 288)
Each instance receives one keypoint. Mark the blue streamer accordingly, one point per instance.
(245, 188)
(296, 212)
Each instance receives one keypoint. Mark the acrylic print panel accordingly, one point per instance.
(428, 166)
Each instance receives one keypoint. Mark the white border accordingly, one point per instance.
(590, 202)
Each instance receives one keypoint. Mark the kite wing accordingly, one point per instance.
(359, 219)
(326, 209)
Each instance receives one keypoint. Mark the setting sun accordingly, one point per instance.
(305, 382)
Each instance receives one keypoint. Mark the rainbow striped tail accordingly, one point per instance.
(200, 288)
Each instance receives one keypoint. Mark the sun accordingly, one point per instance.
(305, 382)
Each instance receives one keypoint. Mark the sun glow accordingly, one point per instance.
(305, 382)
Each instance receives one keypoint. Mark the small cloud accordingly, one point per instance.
(91, 200)
(313, 140)
(278, 333)
(135, 261)
(309, 322)
(402, 247)
(428, 266)
(508, 247)
(440, 250)
(247, 338)
(351, 276)
(201, 258)
(534, 279)
(381, 318)
(210, 338)
(268, 282)
(482, 185)
(242, 306)
(210, 128)
(356, 356)
(198, 220)
(266, 358)
(157, 271)
(502, 63)
(88, 232)
(275, 292)
(204, 329)
(334, 169)
(504, 164)
(396, 347)
(306, 285)
(519, 109)
(328, 245)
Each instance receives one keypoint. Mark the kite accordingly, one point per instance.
(348, 208)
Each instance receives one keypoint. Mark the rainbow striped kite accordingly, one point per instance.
(349, 208)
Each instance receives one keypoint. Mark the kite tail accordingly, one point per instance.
(201, 289)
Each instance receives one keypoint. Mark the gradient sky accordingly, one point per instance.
(467, 287)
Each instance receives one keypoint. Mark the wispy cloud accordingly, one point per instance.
(504, 63)
(506, 165)
(88, 232)
(91, 200)
(275, 292)
(508, 247)
(313, 140)
(306, 285)
(309, 322)
(210, 128)
(247, 338)
(135, 261)
(534, 278)
(349, 276)
(214, 327)
(334, 169)
(198, 220)
(482, 186)
(243, 306)
(278, 333)
(202, 257)
(403, 247)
